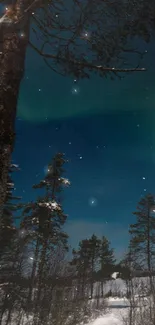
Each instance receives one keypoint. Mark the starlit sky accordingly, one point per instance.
(105, 128)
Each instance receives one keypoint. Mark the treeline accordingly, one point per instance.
(38, 282)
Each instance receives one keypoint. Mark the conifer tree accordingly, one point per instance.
(81, 260)
(107, 260)
(94, 251)
(86, 259)
(142, 243)
(43, 221)
(124, 267)
(8, 230)
(11, 253)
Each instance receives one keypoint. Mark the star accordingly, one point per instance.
(92, 202)
(75, 90)
(80, 156)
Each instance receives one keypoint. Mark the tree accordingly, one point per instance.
(81, 260)
(11, 251)
(86, 259)
(142, 243)
(8, 230)
(42, 223)
(74, 38)
(123, 267)
(94, 252)
(107, 260)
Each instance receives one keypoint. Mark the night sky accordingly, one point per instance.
(105, 128)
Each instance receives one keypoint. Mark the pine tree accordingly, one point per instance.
(124, 268)
(142, 243)
(10, 250)
(107, 260)
(8, 230)
(43, 221)
(86, 259)
(81, 260)
(94, 251)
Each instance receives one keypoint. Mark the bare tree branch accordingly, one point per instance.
(85, 64)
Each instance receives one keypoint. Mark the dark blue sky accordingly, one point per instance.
(106, 131)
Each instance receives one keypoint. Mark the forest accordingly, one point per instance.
(40, 281)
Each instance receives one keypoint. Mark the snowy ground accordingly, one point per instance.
(115, 314)
(117, 305)
(108, 319)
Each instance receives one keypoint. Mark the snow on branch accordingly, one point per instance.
(64, 181)
(53, 205)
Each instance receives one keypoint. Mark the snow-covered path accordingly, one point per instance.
(112, 318)
(107, 320)
(116, 313)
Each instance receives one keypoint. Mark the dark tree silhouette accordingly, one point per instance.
(142, 243)
(8, 231)
(86, 259)
(107, 261)
(42, 223)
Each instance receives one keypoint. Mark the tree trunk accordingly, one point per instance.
(91, 279)
(41, 277)
(33, 274)
(13, 46)
(102, 288)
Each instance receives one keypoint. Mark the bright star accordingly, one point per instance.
(75, 90)
(92, 202)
